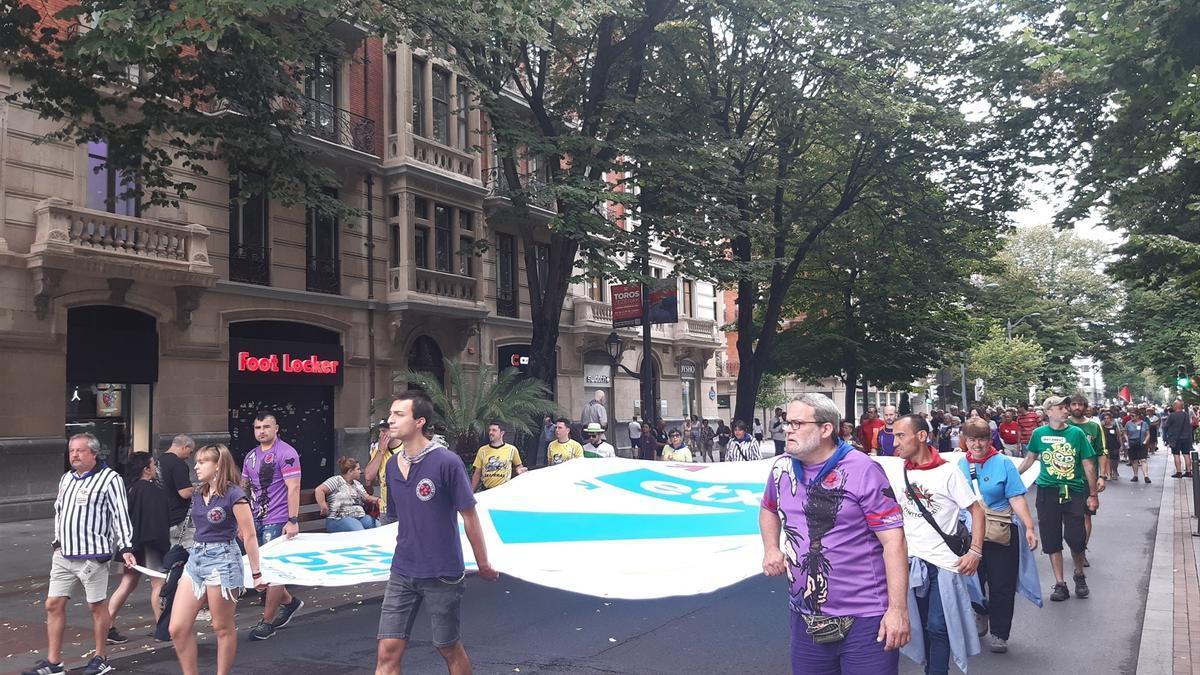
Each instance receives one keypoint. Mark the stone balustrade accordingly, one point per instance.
(64, 228)
(443, 157)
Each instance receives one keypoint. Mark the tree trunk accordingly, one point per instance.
(866, 387)
(851, 381)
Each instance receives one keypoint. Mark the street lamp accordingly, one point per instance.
(1010, 325)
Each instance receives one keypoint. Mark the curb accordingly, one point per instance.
(1156, 648)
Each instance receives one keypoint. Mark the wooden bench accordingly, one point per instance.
(311, 519)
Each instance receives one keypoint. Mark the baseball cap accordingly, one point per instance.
(1054, 400)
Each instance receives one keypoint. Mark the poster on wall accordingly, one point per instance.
(108, 400)
(627, 303)
(595, 375)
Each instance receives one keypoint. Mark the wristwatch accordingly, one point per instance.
(293, 520)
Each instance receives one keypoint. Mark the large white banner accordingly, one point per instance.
(613, 528)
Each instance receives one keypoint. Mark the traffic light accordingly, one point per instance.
(1181, 378)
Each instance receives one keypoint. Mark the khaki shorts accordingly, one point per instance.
(65, 573)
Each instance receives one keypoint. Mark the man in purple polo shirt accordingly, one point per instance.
(271, 476)
(428, 489)
(842, 547)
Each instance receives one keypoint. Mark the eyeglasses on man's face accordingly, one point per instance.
(795, 425)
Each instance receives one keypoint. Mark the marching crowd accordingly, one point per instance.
(922, 556)
(925, 557)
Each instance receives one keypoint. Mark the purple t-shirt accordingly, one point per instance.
(214, 521)
(835, 561)
(426, 506)
(266, 472)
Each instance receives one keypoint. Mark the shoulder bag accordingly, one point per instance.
(998, 528)
(958, 543)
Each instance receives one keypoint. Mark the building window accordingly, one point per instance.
(689, 297)
(464, 99)
(595, 286)
(466, 220)
(441, 237)
(541, 255)
(506, 275)
(656, 272)
(441, 106)
(106, 184)
(392, 99)
(394, 248)
(421, 208)
(320, 86)
(249, 239)
(421, 246)
(395, 206)
(418, 97)
(466, 254)
(323, 271)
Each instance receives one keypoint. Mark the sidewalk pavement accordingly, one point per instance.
(25, 565)
(1170, 636)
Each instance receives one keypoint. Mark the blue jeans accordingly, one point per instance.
(349, 524)
(933, 618)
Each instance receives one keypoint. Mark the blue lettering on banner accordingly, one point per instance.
(733, 512)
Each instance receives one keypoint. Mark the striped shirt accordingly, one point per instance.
(742, 451)
(91, 512)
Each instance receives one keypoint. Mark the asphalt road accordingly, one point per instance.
(513, 626)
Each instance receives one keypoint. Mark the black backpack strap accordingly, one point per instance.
(925, 512)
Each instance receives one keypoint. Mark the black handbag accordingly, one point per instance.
(959, 542)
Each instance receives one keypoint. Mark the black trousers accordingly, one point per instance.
(998, 576)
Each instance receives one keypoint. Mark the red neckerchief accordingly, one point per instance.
(990, 453)
(933, 463)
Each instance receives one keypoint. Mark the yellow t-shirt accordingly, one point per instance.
(557, 453)
(496, 464)
(388, 453)
(676, 454)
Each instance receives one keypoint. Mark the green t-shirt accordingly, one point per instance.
(1094, 433)
(1062, 454)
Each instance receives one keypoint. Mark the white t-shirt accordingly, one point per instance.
(605, 449)
(635, 430)
(944, 491)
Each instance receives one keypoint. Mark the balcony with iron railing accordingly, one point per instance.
(536, 189)
(328, 122)
(323, 275)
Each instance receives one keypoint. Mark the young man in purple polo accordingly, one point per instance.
(428, 489)
(271, 476)
(843, 547)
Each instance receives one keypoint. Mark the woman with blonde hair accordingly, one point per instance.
(221, 513)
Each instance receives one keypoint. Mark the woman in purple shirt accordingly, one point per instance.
(221, 513)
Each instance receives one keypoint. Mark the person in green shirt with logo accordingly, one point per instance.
(1066, 491)
(1095, 434)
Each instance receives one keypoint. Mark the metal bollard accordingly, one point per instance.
(1195, 492)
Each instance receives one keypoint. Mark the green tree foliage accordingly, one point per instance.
(463, 410)
(770, 396)
(870, 305)
(1158, 331)
(820, 110)
(1055, 280)
(1007, 366)
(1114, 86)
(174, 89)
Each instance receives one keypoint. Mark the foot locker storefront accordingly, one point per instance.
(289, 370)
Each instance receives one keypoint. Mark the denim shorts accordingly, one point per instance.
(267, 532)
(216, 564)
(402, 598)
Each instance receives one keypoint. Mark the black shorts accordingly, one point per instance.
(1061, 520)
(1182, 447)
(1137, 450)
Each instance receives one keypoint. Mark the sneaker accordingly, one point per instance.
(1134, 479)
(263, 631)
(1081, 587)
(998, 645)
(1147, 479)
(1176, 475)
(115, 638)
(1060, 593)
(981, 624)
(97, 666)
(1187, 474)
(44, 667)
(286, 612)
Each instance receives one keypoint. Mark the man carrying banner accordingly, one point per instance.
(495, 462)
(563, 448)
(843, 534)
(428, 489)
